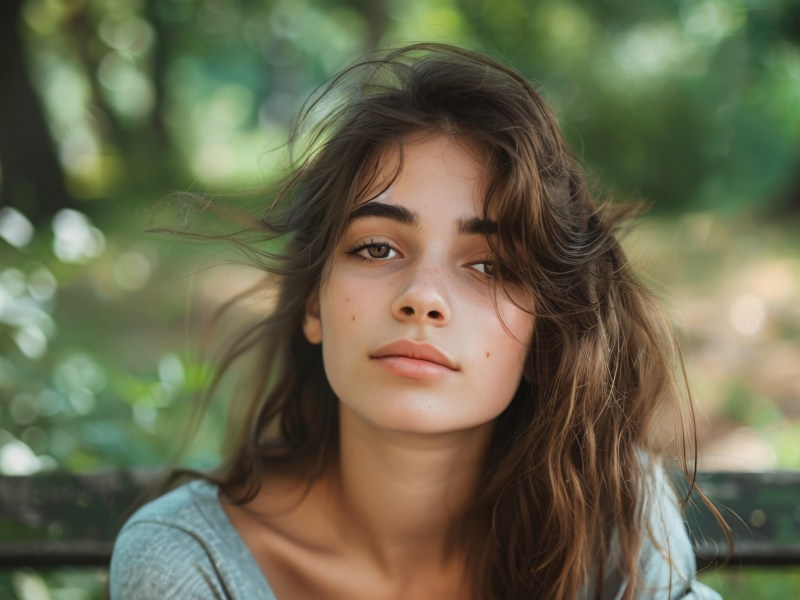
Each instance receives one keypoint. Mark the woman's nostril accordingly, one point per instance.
(408, 311)
(435, 314)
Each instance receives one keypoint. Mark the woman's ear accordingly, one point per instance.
(312, 324)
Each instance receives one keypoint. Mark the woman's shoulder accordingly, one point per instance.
(182, 544)
(190, 508)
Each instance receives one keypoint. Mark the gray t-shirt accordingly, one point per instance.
(182, 545)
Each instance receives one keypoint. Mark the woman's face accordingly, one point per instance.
(411, 338)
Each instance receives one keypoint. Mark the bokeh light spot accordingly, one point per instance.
(170, 370)
(15, 228)
(76, 239)
(42, 284)
(80, 372)
(17, 458)
(31, 341)
(747, 314)
(132, 271)
(23, 409)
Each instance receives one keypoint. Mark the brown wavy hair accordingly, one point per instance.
(564, 473)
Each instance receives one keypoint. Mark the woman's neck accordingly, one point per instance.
(401, 494)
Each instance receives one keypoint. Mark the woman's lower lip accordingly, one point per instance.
(412, 368)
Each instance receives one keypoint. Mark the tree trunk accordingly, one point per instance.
(32, 177)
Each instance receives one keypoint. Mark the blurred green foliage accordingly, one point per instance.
(58, 584)
(753, 583)
(691, 105)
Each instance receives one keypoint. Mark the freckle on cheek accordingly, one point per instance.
(354, 318)
(488, 354)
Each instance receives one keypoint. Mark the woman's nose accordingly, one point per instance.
(423, 299)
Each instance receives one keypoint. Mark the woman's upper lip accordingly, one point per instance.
(416, 350)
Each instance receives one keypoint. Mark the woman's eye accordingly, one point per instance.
(374, 251)
(485, 267)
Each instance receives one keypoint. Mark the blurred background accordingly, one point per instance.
(106, 106)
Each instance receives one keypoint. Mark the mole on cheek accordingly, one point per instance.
(354, 318)
(487, 354)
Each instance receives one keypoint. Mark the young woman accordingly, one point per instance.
(457, 387)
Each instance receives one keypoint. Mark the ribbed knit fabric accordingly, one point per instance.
(182, 545)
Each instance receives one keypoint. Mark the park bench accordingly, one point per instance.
(60, 519)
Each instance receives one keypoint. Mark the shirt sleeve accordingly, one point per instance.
(666, 565)
(154, 561)
(667, 560)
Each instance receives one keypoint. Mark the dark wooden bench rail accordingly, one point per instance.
(763, 510)
(59, 519)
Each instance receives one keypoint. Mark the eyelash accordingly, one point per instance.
(356, 251)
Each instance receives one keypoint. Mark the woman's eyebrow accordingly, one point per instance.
(388, 211)
(401, 214)
(476, 225)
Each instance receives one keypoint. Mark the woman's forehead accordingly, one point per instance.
(422, 151)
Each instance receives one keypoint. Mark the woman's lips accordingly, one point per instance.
(414, 360)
